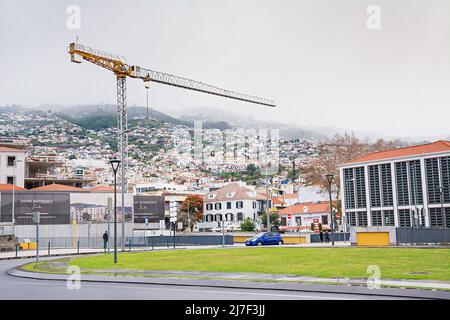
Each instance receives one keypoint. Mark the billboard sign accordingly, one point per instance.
(54, 207)
(150, 207)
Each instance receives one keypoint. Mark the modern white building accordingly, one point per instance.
(12, 166)
(232, 203)
(404, 187)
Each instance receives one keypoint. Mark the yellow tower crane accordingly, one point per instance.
(119, 66)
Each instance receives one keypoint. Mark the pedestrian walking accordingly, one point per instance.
(327, 237)
(105, 240)
(321, 236)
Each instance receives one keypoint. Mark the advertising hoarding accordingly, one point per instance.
(54, 207)
(150, 207)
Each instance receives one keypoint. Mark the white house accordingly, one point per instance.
(12, 166)
(232, 204)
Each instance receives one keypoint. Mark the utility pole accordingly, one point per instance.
(330, 180)
(223, 233)
(441, 194)
(36, 220)
(13, 215)
(269, 227)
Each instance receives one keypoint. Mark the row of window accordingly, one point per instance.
(218, 205)
(228, 217)
(406, 218)
(408, 178)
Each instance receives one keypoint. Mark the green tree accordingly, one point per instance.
(274, 220)
(191, 210)
(248, 225)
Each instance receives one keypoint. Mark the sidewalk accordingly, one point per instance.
(26, 254)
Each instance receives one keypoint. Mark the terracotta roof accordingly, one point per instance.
(9, 149)
(289, 196)
(240, 193)
(313, 207)
(102, 189)
(438, 146)
(9, 187)
(59, 187)
(277, 201)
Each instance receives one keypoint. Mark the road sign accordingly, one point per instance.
(289, 216)
(180, 225)
(173, 219)
(36, 217)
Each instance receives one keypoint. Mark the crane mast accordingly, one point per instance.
(119, 66)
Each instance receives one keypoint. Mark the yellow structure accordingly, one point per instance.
(372, 238)
(28, 245)
(240, 239)
(294, 240)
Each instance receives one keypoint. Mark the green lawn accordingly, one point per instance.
(395, 263)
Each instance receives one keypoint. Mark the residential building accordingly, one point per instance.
(232, 204)
(404, 187)
(12, 166)
(300, 216)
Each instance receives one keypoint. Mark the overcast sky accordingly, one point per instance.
(316, 58)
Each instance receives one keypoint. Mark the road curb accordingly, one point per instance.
(234, 284)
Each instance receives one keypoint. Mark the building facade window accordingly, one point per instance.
(362, 219)
(240, 216)
(229, 217)
(239, 204)
(209, 206)
(386, 185)
(433, 183)
(352, 219)
(445, 174)
(349, 188)
(209, 218)
(254, 204)
(415, 182)
(228, 205)
(360, 185)
(10, 180)
(324, 220)
(218, 217)
(388, 218)
(11, 161)
(401, 177)
(376, 218)
(404, 217)
(218, 206)
(374, 186)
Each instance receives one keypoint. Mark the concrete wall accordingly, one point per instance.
(62, 231)
(391, 230)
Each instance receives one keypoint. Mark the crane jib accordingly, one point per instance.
(119, 66)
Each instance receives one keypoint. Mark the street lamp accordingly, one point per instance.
(269, 227)
(13, 216)
(330, 180)
(115, 163)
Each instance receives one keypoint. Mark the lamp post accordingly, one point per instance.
(115, 163)
(330, 180)
(269, 227)
(13, 209)
(441, 193)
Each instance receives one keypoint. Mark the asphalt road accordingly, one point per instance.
(14, 288)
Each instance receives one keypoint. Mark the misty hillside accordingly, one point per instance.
(213, 115)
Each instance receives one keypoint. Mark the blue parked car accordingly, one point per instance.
(264, 238)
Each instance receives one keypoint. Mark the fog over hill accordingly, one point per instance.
(218, 119)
